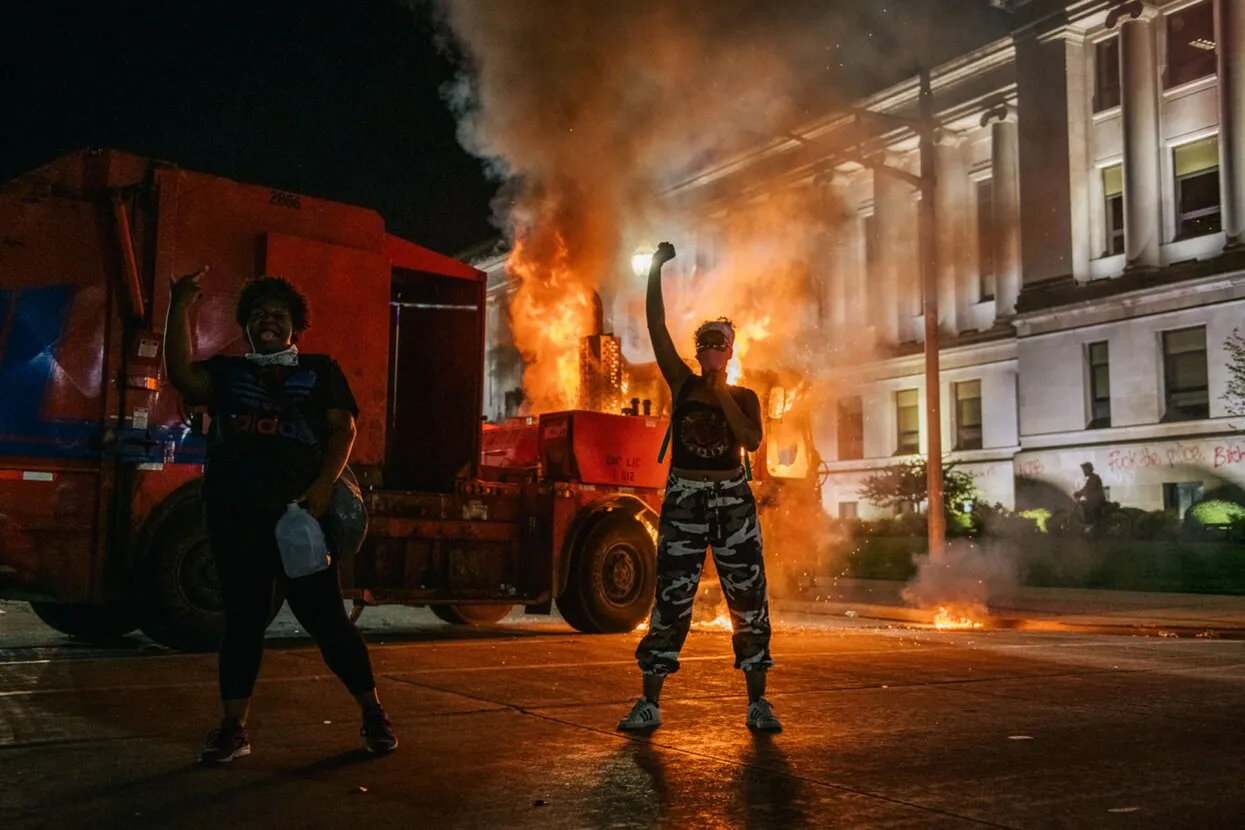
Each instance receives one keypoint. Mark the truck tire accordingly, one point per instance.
(93, 623)
(613, 576)
(181, 602)
(471, 614)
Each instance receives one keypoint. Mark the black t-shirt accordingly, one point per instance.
(269, 427)
(702, 437)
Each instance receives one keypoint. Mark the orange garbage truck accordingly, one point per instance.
(101, 525)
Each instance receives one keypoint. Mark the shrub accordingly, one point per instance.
(1214, 513)
(1157, 526)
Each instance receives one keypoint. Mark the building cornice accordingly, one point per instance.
(1140, 302)
(890, 101)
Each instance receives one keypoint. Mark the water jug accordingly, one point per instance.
(301, 542)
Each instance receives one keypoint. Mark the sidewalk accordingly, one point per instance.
(1024, 607)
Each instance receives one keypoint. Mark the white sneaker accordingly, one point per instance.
(643, 715)
(761, 717)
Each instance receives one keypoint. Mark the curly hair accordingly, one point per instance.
(726, 320)
(262, 289)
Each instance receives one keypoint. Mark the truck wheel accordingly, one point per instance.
(95, 623)
(471, 614)
(182, 605)
(613, 576)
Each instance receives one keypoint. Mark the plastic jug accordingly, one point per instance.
(301, 542)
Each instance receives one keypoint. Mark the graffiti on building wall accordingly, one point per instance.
(1229, 455)
(1031, 468)
(1174, 455)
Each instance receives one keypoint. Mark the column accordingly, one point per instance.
(1230, 38)
(950, 201)
(1140, 117)
(1005, 181)
(1053, 123)
(842, 243)
(892, 208)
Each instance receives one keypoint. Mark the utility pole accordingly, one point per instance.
(926, 127)
(935, 514)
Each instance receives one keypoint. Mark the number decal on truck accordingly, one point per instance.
(284, 199)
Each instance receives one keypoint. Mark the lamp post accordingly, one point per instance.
(642, 260)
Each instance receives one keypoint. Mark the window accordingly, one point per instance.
(1113, 191)
(985, 239)
(1184, 374)
(851, 429)
(1196, 165)
(908, 414)
(1181, 496)
(1107, 75)
(1190, 44)
(848, 510)
(1099, 358)
(967, 415)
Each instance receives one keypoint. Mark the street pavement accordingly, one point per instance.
(888, 724)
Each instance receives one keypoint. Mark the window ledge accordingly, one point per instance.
(1106, 267)
(1107, 114)
(1190, 87)
(1195, 247)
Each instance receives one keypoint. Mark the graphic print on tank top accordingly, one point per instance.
(705, 434)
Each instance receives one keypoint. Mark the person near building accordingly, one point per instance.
(283, 425)
(708, 504)
(1092, 497)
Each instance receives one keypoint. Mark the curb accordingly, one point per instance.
(1013, 619)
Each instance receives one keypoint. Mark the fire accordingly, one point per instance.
(720, 622)
(550, 313)
(955, 617)
(746, 334)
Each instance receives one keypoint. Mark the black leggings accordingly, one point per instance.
(249, 565)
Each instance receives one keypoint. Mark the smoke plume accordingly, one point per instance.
(589, 112)
(592, 114)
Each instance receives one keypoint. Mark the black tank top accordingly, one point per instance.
(701, 436)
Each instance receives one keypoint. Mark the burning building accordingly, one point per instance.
(1089, 208)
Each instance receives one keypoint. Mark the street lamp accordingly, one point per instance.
(642, 260)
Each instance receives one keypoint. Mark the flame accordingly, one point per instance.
(550, 313)
(747, 332)
(957, 617)
(720, 622)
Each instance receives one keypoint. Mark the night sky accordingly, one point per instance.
(340, 99)
(333, 99)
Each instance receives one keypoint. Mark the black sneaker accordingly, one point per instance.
(225, 744)
(377, 733)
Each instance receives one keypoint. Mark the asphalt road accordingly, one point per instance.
(513, 727)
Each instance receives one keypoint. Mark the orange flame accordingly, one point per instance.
(747, 333)
(957, 617)
(549, 315)
(720, 622)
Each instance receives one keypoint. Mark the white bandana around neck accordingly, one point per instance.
(287, 357)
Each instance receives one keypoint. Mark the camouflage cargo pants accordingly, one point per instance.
(696, 515)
